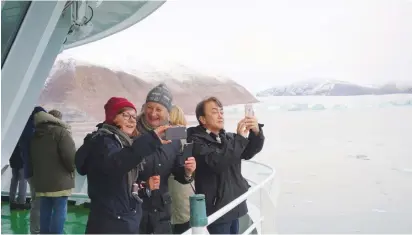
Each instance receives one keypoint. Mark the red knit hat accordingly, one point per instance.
(113, 106)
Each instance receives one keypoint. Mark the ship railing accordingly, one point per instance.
(261, 200)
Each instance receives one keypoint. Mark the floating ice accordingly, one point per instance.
(408, 170)
(360, 157)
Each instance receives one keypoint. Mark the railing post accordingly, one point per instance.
(198, 218)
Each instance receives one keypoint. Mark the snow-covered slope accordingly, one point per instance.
(325, 87)
(85, 87)
(148, 69)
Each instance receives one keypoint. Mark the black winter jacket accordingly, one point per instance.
(157, 208)
(218, 168)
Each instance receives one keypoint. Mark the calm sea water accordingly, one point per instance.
(344, 164)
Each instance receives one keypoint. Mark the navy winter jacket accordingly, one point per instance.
(107, 162)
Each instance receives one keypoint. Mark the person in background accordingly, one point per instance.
(24, 141)
(180, 193)
(219, 154)
(52, 152)
(110, 158)
(17, 180)
(164, 162)
(56, 114)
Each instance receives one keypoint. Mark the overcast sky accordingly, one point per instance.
(268, 42)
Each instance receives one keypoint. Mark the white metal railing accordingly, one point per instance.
(212, 218)
(261, 208)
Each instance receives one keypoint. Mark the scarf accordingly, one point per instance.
(124, 139)
(142, 126)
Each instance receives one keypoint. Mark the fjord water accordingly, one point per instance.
(344, 164)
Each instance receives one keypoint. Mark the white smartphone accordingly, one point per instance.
(249, 112)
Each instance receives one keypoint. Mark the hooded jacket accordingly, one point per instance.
(218, 168)
(25, 140)
(52, 152)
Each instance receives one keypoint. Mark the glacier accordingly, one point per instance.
(324, 103)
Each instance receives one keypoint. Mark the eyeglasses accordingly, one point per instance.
(129, 116)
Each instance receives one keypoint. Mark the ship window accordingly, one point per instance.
(12, 16)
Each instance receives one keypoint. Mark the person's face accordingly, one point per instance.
(155, 114)
(126, 121)
(213, 119)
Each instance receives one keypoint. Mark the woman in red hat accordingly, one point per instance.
(110, 159)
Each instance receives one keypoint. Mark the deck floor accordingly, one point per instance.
(17, 221)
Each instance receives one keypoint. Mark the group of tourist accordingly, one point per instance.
(138, 182)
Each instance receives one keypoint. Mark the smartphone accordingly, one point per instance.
(249, 112)
(176, 133)
(187, 151)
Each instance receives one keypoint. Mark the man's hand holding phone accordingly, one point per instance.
(241, 128)
(190, 166)
(250, 121)
(252, 124)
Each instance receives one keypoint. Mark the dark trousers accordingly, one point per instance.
(181, 228)
(224, 228)
(155, 223)
(17, 179)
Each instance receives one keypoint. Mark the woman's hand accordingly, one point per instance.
(154, 182)
(160, 132)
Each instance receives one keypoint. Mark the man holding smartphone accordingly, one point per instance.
(218, 155)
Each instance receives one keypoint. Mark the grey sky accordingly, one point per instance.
(267, 42)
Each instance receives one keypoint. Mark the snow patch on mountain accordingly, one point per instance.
(328, 87)
(148, 70)
(61, 66)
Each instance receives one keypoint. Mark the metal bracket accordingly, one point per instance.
(82, 25)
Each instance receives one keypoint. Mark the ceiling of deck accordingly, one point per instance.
(109, 18)
(113, 16)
